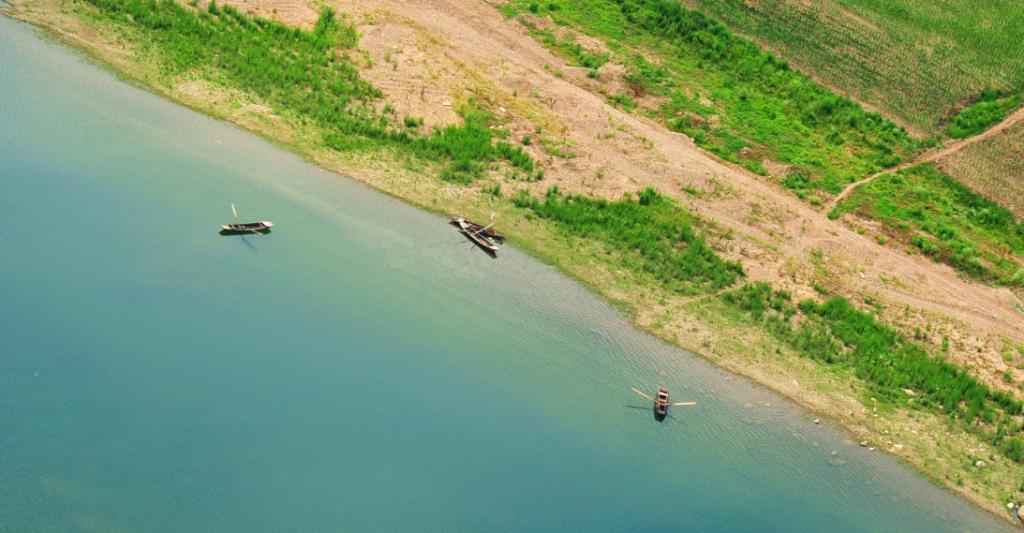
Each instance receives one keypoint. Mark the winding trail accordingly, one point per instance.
(949, 148)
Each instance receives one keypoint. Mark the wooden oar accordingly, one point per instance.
(488, 226)
(641, 394)
(234, 212)
(479, 233)
(485, 228)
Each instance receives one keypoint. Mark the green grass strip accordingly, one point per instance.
(733, 99)
(988, 110)
(652, 234)
(836, 333)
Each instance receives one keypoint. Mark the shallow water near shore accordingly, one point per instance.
(360, 368)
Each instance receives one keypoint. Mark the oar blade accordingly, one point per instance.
(641, 394)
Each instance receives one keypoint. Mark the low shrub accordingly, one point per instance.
(654, 235)
(989, 109)
(940, 217)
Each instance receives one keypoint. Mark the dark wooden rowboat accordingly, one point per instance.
(249, 227)
(481, 240)
(661, 404)
(462, 223)
(237, 228)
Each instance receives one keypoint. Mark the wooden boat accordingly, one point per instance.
(238, 228)
(481, 240)
(660, 402)
(486, 231)
(250, 227)
(479, 235)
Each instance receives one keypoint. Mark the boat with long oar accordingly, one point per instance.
(243, 228)
(486, 231)
(660, 402)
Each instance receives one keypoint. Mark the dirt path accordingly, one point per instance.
(932, 155)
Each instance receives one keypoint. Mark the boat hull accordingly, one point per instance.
(242, 229)
(481, 242)
(462, 223)
(661, 404)
(476, 235)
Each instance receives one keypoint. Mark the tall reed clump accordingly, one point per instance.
(836, 333)
(308, 74)
(651, 235)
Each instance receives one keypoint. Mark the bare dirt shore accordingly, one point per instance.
(430, 55)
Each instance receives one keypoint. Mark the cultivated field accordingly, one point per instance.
(915, 59)
(993, 167)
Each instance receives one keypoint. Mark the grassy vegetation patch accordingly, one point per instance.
(916, 59)
(652, 234)
(570, 49)
(836, 333)
(306, 73)
(733, 99)
(989, 109)
(938, 216)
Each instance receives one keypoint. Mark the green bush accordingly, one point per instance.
(653, 234)
(460, 171)
(572, 51)
(989, 109)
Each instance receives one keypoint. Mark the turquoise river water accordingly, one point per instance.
(361, 368)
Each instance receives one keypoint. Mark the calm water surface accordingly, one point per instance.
(359, 369)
